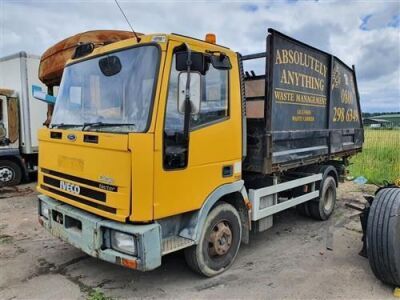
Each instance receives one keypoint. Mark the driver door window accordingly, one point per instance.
(213, 108)
(214, 102)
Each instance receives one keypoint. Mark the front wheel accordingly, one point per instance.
(219, 242)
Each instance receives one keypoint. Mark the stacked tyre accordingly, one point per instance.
(383, 236)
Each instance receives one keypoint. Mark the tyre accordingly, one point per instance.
(303, 210)
(10, 173)
(219, 242)
(323, 208)
(383, 236)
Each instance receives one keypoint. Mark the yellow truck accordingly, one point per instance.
(164, 142)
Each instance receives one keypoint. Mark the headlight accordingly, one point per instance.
(44, 210)
(123, 242)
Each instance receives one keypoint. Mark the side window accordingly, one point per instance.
(214, 102)
(214, 106)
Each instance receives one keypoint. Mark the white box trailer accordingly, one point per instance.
(20, 117)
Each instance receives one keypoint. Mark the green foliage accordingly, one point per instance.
(380, 159)
(368, 115)
(97, 295)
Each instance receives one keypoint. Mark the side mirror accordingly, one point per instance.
(198, 59)
(40, 95)
(221, 62)
(195, 91)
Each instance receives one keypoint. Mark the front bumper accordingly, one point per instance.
(88, 233)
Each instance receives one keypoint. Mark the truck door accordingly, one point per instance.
(3, 132)
(183, 181)
(12, 120)
(9, 121)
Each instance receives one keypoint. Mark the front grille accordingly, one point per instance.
(103, 186)
(78, 199)
(83, 191)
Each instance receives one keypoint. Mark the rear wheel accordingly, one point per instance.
(323, 208)
(219, 242)
(383, 236)
(10, 173)
(302, 209)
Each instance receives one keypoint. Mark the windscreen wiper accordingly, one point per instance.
(63, 125)
(101, 124)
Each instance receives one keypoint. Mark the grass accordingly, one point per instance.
(97, 295)
(5, 239)
(380, 159)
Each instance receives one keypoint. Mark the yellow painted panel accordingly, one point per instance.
(211, 148)
(142, 147)
(107, 162)
(109, 141)
(157, 93)
(186, 190)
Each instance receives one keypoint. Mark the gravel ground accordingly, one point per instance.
(290, 260)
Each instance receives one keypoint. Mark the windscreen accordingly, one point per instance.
(114, 90)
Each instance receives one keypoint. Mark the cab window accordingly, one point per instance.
(214, 107)
(214, 101)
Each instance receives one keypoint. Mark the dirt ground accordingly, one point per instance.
(290, 260)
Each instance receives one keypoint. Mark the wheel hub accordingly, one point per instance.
(220, 239)
(5, 174)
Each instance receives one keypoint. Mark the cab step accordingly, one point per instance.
(175, 243)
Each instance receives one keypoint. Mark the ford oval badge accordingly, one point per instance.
(71, 137)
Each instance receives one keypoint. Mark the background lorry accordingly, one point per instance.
(163, 142)
(20, 117)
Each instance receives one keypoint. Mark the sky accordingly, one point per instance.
(361, 33)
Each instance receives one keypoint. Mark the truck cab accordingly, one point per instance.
(144, 155)
(116, 144)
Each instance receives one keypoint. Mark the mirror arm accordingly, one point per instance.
(188, 106)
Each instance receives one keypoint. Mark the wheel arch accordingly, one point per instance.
(240, 203)
(329, 170)
(233, 193)
(326, 170)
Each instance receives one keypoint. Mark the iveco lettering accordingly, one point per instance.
(72, 188)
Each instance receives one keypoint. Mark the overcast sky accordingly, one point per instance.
(364, 33)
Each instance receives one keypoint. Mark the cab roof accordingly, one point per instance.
(159, 38)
